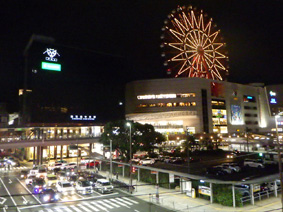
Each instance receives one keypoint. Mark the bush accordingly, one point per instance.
(223, 195)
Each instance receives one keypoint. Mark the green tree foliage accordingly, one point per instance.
(144, 137)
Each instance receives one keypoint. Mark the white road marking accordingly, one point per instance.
(58, 209)
(133, 201)
(83, 207)
(120, 203)
(9, 194)
(129, 203)
(30, 192)
(104, 204)
(66, 209)
(3, 200)
(90, 206)
(111, 203)
(75, 208)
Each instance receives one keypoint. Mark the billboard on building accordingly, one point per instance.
(236, 114)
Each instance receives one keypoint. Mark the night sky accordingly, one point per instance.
(105, 44)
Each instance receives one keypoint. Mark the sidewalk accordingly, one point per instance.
(175, 200)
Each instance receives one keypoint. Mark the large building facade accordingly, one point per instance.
(196, 105)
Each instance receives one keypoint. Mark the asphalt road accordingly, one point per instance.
(16, 196)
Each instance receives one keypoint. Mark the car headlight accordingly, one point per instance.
(45, 198)
(56, 196)
(22, 176)
(73, 191)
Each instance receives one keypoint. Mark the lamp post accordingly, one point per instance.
(131, 181)
(279, 157)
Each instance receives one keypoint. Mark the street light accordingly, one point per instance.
(111, 170)
(279, 156)
(131, 181)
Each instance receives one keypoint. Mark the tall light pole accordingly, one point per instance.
(131, 181)
(279, 157)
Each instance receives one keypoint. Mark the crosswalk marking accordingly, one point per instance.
(106, 205)
(120, 203)
(133, 201)
(101, 207)
(111, 203)
(13, 168)
(119, 199)
(66, 209)
(75, 208)
(90, 206)
(83, 207)
(58, 209)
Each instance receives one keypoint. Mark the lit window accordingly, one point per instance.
(182, 104)
(193, 104)
(169, 105)
(152, 105)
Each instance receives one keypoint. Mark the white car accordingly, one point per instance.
(83, 187)
(69, 166)
(65, 188)
(224, 168)
(147, 161)
(55, 165)
(253, 163)
(30, 179)
(103, 186)
(233, 166)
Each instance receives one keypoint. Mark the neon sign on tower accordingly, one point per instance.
(52, 53)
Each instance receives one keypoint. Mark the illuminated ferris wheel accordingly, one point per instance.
(192, 46)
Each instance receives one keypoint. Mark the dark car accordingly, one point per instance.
(56, 170)
(48, 195)
(38, 184)
(2, 163)
(72, 179)
(218, 171)
(92, 180)
(24, 174)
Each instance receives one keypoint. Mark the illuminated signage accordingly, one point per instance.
(51, 66)
(273, 101)
(51, 53)
(271, 93)
(82, 118)
(249, 97)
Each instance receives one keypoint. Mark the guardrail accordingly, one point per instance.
(259, 196)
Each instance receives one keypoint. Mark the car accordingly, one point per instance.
(147, 161)
(92, 180)
(61, 161)
(243, 190)
(253, 163)
(52, 166)
(218, 171)
(29, 179)
(42, 173)
(231, 155)
(69, 166)
(136, 160)
(2, 163)
(38, 184)
(56, 170)
(51, 180)
(72, 179)
(225, 169)
(233, 166)
(103, 186)
(84, 187)
(24, 174)
(65, 188)
(48, 195)
(62, 175)
(86, 160)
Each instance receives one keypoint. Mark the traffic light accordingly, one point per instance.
(260, 154)
(133, 169)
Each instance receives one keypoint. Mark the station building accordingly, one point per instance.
(197, 105)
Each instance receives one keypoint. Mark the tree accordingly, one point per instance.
(144, 137)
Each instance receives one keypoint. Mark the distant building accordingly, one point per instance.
(196, 105)
(4, 116)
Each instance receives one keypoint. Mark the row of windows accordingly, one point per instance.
(217, 103)
(251, 122)
(250, 108)
(174, 104)
(166, 96)
(250, 115)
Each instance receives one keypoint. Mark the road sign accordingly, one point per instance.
(171, 178)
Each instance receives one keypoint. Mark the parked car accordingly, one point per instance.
(48, 195)
(147, 161)
(103, 186)
(72, 179)
(253, 163)
(225, 169)
(55, 165)
(62, 175)
(243, 190)
(218, 171)
(233, 166)
(56, 170)
(65, 188)
(84, 187)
